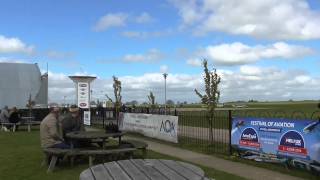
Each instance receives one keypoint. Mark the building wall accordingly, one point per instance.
(42, 96)
(18, 81)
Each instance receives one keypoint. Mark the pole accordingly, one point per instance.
(230, 128)
(165, 92)
(64, 101)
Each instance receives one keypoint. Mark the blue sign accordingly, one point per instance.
(283, 138)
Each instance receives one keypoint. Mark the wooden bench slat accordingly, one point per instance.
(105, 151)
(185, 172)
(169, 173)
(148, 169)
(100, 172)
(135, 143)
(117, 171)
(132, 170)
(86, 175)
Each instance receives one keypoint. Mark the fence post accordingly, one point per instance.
(230, 129)
(103, 111)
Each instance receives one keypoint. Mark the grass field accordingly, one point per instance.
(198, 117)
(20, 158)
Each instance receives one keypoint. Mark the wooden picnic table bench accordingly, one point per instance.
(29, 124)
(144, 169)
(140, 145)
(52, 154)
(92, 136)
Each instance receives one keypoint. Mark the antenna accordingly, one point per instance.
(47, 67)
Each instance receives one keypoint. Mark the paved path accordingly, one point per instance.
(240, 169)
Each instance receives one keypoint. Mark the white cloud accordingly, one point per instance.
(268, 19)
(250, 70)
(144, 18)
(11, 60)
(58, 54)
(287, 95)
(264, 83)
(111, 20)
(238, 53)
(164, 69)
(150, 56)
(194, 62)
(147, 34)
(14, 45)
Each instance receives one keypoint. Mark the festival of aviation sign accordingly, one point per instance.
(283, 138)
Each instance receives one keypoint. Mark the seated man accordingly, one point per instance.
(71, 122)
(50, 128)
(4, 117)
(14, 116)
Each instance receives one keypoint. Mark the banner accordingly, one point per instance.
(294, 140)
(83, 95)
(156, 126)
(87, 118)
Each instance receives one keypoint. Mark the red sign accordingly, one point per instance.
(249, 143)
(294, 150)
(83, 104)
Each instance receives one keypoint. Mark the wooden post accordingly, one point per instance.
(230, 128)
(52, 163)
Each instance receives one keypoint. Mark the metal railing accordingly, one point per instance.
(198, 130)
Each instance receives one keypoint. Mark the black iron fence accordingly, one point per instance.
(198, 130)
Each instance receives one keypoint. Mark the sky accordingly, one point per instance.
(263, 50)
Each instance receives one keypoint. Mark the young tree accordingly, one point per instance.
(117, 94)
(30, 104)
(151, 98)
(170, 102)
(212, 93)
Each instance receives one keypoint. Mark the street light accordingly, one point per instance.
(64, 101)
(165, 92)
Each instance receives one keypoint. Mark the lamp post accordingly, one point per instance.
(165, 92)
(64, 101)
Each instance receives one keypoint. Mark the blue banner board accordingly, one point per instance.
(283, 138)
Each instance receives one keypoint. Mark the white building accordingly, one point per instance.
(19, 82)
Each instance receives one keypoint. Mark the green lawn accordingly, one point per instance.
(197, 117)
(21, 156)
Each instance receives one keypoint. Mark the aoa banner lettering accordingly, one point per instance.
(295, 140)
(156, 126)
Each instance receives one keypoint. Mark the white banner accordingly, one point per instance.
(86, 118)
(83, 95)
(156, 126)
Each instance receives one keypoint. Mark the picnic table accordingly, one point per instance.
(29, 121)
(91, 152)
(25, 121)
(139, 169)
(92, 136)
(27, 118)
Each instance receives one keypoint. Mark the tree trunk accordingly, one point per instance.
(211, 119)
